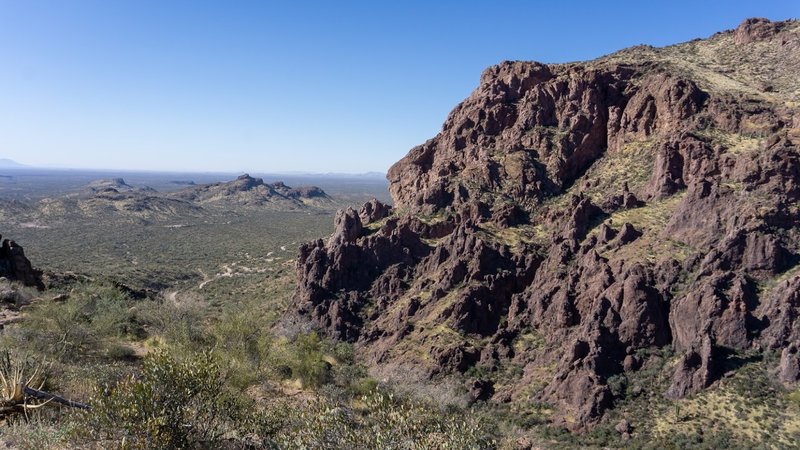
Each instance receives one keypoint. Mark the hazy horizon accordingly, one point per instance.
(314, 88)
(13, 165)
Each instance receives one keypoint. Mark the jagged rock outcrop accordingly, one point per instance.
(756, 29)
(696, 369)
(570, 219)
(373, 211)
(15, 266)
(789, 368)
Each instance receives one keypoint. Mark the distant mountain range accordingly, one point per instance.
(8, 163)
(381, 175)
(114, 198)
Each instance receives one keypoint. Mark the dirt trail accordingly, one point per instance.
(228, 270)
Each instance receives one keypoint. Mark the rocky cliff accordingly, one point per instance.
(15, 266)
(572, 219)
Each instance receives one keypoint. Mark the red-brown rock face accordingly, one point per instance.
(570, 218)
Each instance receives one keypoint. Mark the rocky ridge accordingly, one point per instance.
(115, 199)
(117, 184)
(573, 219)
(249, 191)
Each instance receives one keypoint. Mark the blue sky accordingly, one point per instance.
(287, 86)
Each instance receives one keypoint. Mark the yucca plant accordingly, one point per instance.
(15, 377)
(18, 396)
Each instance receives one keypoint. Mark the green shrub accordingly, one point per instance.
(617, 384)
(242, 343)
(170, 404)
(308, 362)
(182, 325)
(90, 322)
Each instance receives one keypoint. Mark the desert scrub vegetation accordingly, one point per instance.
(187, 403)
(318, 396)
(93, 320)
(745, 410)
(380, 420)
(169, 403)
(158, 256)
(240, 336)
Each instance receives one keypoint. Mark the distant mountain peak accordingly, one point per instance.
(118, 184)
(247, 190)
(10, 163)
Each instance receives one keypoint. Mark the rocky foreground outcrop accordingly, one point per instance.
(573, 219)
(15, 266)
